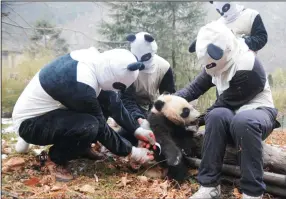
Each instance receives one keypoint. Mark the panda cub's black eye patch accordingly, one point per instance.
(185, 113)
(119, 86)
(226, 7)
(146, 57)
(212, 65)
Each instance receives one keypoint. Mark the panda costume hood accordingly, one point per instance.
(230, 11)
(111, 68)
(219, 52)
(144, 47)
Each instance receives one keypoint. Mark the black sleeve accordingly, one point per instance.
(258, 37)
(167, 83)
(111, 100)
(128, 98)
(196, 88)
(244, 86)
(82, 98)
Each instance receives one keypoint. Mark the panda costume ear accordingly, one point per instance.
(159, 105)
(136, 66)
(148, 38)
(131, 37)
(214, 52)
(192, 47)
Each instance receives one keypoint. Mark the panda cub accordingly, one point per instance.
(168, 120)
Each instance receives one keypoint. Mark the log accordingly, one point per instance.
(278, 191)
(274, 157)
(270, 178)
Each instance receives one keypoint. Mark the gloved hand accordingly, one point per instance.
(144, 134)
(141, 155)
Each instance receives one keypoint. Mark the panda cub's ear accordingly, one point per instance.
(159, 105)
(131, 37)
(192, 47)
(148, 38)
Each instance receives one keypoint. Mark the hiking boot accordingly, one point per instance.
(60, 172)
(92, 154)
(244, 196)
(207, 193)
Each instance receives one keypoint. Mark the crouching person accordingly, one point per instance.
(243, 112)
(60, 107)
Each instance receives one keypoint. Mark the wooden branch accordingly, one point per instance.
(269, 188)
(61, 28)
(271, 178)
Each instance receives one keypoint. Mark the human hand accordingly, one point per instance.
(146, 138)
(141, 155)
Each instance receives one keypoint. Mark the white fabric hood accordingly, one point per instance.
(230, 11)
(219, 51)
(109, 67)
(144, 46)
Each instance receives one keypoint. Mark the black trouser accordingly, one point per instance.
(246, 129)
(70, 133)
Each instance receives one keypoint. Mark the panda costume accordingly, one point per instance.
(156, 78)
(244, 22)
(61, 106)
(243, 113)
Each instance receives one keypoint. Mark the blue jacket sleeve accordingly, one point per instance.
(258, 37)
(167, 84)
(128, 98)
(111, 100)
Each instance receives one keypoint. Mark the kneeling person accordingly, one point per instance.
(60, 106)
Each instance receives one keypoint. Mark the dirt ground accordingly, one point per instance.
(110, 178)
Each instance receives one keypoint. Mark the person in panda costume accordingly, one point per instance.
(244, 22)
(243, 112)
(156, 78)
(61, 106)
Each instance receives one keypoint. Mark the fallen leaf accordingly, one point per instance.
(56, 188)
(7, 150)
(48, 180)
(236, 193)
(164, 187)
(15, 161)
(87, 189)
(143, 178)
(32, 181)
(125, 181)
(46, 188)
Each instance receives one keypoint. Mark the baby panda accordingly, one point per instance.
(168, 120)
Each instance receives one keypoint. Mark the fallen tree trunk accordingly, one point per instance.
(270, 178)
(278, 191)
(274, 158)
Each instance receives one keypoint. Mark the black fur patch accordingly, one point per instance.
(148, 38)
(159, 105)
(131, 37)
(192, 47)
(185, 113)
(214, 52)
(135, 66)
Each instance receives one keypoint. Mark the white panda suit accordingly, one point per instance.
(246, 23)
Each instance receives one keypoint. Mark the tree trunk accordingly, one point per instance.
(173, 37)
(274, 158)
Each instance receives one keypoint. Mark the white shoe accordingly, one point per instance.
(22, 146)
(207, 193)
(244, 196)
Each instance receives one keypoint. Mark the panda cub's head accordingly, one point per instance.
(176, 109)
